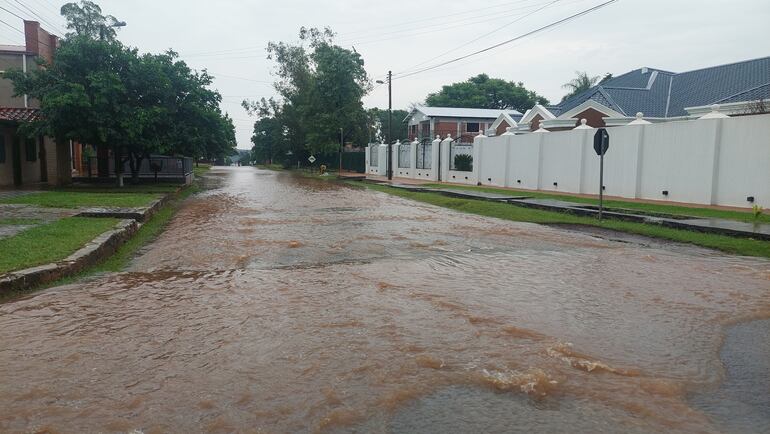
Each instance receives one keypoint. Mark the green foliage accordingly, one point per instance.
(378, 125)
(581, 83)
(757, 211)
(464, 163)
(321, 86)
(87, 20)
(99, 92)
(50, 242)
(68, 199)
(484, 92)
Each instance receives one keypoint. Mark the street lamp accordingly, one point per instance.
(390, 123)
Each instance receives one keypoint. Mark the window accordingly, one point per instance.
(2, 148)
(30, 149)
(472, 127)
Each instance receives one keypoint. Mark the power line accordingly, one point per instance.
(443, 25)
(481, 37)
(22, 33)
(36, 15)
(500, 44)
(434, 18)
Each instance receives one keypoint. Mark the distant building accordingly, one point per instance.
(463, 123)
(28, 160)
(738, 88)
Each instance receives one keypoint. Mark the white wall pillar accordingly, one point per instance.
(540, 161)
(716, 150)
(413, 159)
(444, 167)
(478, 150)
(435, 159)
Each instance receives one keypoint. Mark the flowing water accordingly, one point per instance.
(276, 303)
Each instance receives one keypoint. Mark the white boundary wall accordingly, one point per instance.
(703, 161)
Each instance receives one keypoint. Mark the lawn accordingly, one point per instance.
(70, 199)
(200, 169)
(50, 242)
(654, 208)
(741, 246)
(127, 188)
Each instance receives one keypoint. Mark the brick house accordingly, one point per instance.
(25, 160)
(464, 123)
(660, 96)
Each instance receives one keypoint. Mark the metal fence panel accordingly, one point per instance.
(459, 149)
(424, 155)
(404, 154)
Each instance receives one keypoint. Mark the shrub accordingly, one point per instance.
(464, 163)
(757, 210)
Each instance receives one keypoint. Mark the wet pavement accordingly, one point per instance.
(276, 303)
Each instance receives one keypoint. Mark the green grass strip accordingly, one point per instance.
(50, 242)
(740, 246)
(147, 233)
(67, 199)
(654, 208)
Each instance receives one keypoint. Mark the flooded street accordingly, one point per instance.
(276, 303)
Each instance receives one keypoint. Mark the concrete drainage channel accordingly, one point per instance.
(89, 255)
(759, 231)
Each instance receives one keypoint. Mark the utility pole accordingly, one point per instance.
(390, 125)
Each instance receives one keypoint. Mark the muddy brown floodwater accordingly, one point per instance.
(276, 303)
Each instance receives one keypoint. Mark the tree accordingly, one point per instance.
(484, 92)
(321, 86)
(99, 92)
(378, 125)
(86, 19)
(581, 83)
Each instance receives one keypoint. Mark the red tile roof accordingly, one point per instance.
(18, 114)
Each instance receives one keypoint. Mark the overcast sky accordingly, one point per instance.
(228, 37)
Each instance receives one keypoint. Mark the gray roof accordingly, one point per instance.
(658, 93)
(460, 112)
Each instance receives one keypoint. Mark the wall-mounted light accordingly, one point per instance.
(489, 179)
(750, 199)
(555, 184)
(665, 192)
(604, 187)
(518, 181)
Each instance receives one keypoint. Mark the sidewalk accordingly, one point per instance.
(719, 226)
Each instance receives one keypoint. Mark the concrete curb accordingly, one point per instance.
(139, 214)
(92, 253)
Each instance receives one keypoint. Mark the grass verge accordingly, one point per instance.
(148, 232)
(652, 208)
(201, 169)
(69, 199)
(740, 246)
(118, 261)
(50, 242)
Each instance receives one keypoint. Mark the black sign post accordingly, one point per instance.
(601, 145)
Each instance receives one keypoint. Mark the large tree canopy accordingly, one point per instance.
(98, 91)
(484, 92)
(320, 86)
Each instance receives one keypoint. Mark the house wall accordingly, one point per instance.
(714, 161)
(6, 164)
(534, 124)
(593, 117)
(502, 128)
(8, 61)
